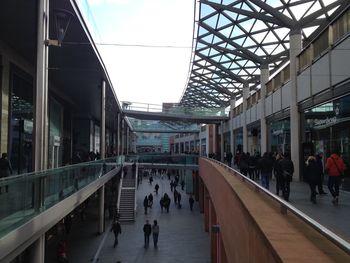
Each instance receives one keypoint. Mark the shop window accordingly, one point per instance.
(21, 121)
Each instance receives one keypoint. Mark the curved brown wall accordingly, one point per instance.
(253, 229)
(242, 240)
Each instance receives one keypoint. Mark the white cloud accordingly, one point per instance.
(150, 75)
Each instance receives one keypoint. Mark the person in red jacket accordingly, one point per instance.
(335, 167)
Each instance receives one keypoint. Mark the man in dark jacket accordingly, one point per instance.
(287, 168)
(265, 165)
(116, 230)
(147, 229)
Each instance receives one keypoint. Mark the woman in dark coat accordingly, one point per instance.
(278, 174)
(313, 175)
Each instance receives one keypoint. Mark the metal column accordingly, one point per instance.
(37, 249)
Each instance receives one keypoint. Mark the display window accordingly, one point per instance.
(327, 129)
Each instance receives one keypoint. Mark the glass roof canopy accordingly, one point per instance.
(234, 39)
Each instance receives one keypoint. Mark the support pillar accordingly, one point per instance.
(295, 48)
(232, 145)
(264, 77)
(37, 249)
(101, 209)
(103, 121)
(244, 119)
(222, 142)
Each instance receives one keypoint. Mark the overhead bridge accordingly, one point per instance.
(165, 116)
(165, 131)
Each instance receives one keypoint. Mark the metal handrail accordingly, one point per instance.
(285, 206)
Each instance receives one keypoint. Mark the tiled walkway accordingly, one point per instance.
(182, 237)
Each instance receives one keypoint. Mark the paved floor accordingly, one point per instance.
(182, 237)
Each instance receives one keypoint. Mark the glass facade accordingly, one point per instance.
(21, 122)
(279, 136)
(327, 128)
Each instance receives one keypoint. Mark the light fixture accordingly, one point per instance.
(62, 20)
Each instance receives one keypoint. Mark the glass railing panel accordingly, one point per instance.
(24, 196)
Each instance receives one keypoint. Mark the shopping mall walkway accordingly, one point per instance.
(182, 237)
(335, 218)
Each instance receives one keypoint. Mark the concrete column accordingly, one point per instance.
(103, 120)
(215, 146)
(264, 77)
(37, 250)
(244, 119)
(295, 48)
(232, 106)
(222, 142)
(101, 209)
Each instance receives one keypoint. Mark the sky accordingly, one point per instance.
(143, 74)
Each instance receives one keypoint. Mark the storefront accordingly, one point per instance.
(327, 129)
(279, 136)
(238, 140)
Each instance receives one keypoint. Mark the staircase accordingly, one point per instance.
(127, 200)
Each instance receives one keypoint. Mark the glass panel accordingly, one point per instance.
(26, 195)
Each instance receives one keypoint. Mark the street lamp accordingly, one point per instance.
(62, 20)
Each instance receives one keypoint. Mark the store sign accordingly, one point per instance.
(325, 122)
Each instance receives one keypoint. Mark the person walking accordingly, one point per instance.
(161, 202)
(229, 158)
(175, 196)
(191, 201)
(287, 168)
(319, 158)
(182, 185)
(5, 169)
(155, 232)
(150, 200)
(116, 228)
(147, 229)
(313, 175)
(243, 164)
(265, 165)
(156, 188)
(278, 173)
(335, 167)
(145, 204)
(179, 200)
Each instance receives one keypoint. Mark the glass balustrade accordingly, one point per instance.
(24, 196)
